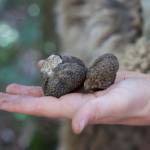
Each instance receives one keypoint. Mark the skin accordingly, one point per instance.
(126, 102)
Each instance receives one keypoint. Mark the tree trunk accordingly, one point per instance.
(88, 28)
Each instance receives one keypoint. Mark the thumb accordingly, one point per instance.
(84, 116)
(92, 112)
(40, 63)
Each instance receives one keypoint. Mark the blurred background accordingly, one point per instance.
(28, 34)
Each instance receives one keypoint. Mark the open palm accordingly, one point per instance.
(125, 102)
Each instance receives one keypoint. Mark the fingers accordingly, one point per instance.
(65, 107)
(73, 102)
(24, 90)
(43, 106)
(84, 116)
(40, 63)
(99, 110)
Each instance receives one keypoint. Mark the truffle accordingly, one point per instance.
(65, 74)
(102, 73)
(62, 75)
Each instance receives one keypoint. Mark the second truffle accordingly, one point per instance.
(102, 73)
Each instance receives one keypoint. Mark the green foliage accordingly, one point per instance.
(17, 38)
(21, 117)
(6, 56)
(47, 142)
(8, 35)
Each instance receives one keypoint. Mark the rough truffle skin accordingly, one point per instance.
(65, 74)
(71, 59)
(65, 77)
(102, 73)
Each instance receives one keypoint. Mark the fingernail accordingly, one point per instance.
(81, 125)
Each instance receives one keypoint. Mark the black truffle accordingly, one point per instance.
(102, 73)
(65, 74)
(62, 75)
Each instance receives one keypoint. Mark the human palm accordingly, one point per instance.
(125, 102)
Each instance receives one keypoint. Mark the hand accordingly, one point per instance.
(30, 100)
(125, 102)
